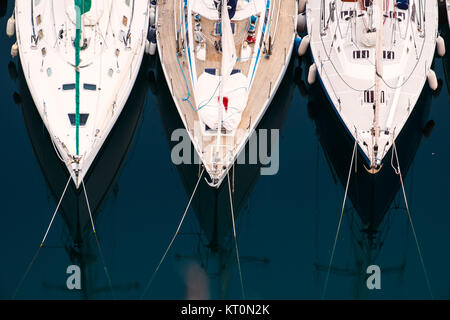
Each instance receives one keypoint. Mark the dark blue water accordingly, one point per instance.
(286, 223)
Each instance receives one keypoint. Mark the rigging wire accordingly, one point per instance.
(42, 242)
(340, 221)
(96, 239)
(235, 237)
(399, 173)
(147, 287)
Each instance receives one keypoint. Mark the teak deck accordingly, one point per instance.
(267, 78)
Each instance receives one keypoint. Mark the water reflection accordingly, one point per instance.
(101, 180)
(286, 223)
(3, 7)
(445, 33)
(374, 199)
(212, 260)
(371, 195)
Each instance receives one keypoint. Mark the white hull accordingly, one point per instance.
(448, 12)
(348, 51)
(109, 64)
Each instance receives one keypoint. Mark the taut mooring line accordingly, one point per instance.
(42, 242)
(96, 239)
(398, 171)
(235, 238)
(340, 221)
(173, 238)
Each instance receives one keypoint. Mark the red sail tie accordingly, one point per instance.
(225, 103)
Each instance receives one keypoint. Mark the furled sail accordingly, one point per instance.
(225, 108)
(228, 49)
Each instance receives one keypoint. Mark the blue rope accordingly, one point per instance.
(214, 93)
(182, 71)
(187, 86)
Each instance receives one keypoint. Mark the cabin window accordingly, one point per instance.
(369, 96)
(360, 54)
(88, 86)
(388, 55)
(83, 118)
(68, 86)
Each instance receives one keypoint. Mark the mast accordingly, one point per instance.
(228, 61)
(219, 113)
(378, 75)
(78, 9)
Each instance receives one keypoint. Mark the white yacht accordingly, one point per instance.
(223, 62)
(373, 58)
(80, 59)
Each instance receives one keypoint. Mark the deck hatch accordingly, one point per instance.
(88, 86)
(68, 86)
(83, 118)
(211, 71)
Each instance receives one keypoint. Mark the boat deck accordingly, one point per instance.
(373, 78)
(282, 25)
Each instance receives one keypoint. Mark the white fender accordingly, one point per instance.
(152, 16)
(14, 50)
(312, 73)
(147, 47)
(301, 23)
(432, 80)
(440, 46)
(11, 26)
(152, 48)
(301, 6)
(303, 45)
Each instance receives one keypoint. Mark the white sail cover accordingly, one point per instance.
(228, 48)
(230, 101)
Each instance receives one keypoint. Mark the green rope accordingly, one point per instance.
(81, 7)
(78, 9)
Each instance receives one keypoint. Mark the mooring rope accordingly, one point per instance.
(340, 221)
(173, 238)
(96, 239)
(235, 238)
(399, 173)
(42, 242)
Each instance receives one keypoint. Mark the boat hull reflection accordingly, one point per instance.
(212, 205)
(100, 180)
(370, 194)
